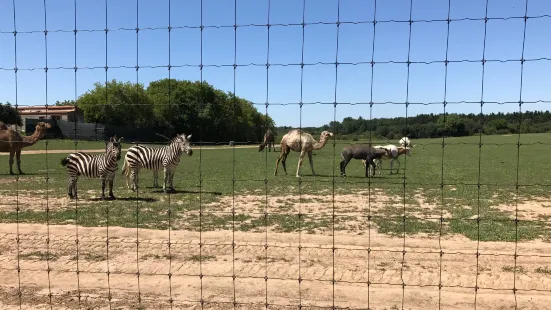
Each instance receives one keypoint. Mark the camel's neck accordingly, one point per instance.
(32, 139)
(319, 145)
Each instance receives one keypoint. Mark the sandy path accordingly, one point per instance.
(353, 264)
(124, 150)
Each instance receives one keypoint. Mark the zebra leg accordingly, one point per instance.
(103, 180)
(111, 181)
(171, 179)
(70, 191)
(155, 178)
(134, 177)
(166, 172)
(74, 186)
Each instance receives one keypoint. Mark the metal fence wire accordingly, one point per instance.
(303, 283)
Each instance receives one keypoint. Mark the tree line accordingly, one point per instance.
(437, 125)
(170, 106)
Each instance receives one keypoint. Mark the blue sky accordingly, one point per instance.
(428, 43)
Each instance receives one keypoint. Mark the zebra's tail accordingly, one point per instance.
(64, 161)
(123, 167)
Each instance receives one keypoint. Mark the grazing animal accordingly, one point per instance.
(363, 152)
(166, 157)
(269, 139)
(405, 142)
(12, 142)
(103, 166)
(393, 154)
(126, 172)
(297, 141)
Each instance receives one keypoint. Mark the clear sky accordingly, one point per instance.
(283, 83)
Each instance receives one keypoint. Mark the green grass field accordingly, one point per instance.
(212, 183)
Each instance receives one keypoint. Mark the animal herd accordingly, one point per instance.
(105, 165)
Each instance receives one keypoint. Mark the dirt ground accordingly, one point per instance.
(351, 265)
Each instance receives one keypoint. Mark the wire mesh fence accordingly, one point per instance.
(464, 225)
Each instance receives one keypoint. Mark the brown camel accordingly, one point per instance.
(268, 140)
(11, 141)
(302, 142)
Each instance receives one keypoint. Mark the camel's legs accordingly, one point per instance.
(12, 152)
(277, 161)
(18, 159)
(284, 162)
(282, 158)
(300, 157)
(311, 162)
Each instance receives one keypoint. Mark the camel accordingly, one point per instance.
(11, 141)
(269, 138)
(302, 142)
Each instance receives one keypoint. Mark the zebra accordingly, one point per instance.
(166, 157)
(103, 166)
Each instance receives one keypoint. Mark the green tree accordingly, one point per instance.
(64, 102)
(9, 114)
(451, 125)
(212, 114)
(176, 105)
(119, 103)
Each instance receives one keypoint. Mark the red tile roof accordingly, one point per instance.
(40, 110)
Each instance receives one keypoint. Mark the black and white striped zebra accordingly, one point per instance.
(152, 158)
(103, 166)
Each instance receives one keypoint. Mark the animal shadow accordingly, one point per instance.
(364, 177)
(144, 199)
(177, 191)
(25, 174)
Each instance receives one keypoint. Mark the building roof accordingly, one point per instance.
(42, 109)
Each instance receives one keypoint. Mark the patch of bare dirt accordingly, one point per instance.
(533, 209)
(350, 204)
(265, 268)
(37, 200)
(351, 209)
(426, 210)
